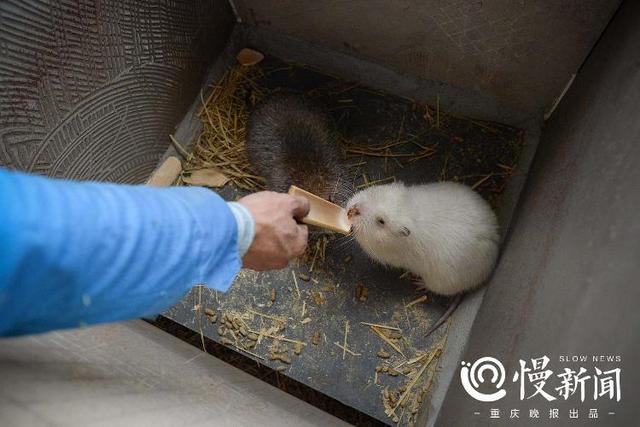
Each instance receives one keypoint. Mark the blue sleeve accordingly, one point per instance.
(77, 253)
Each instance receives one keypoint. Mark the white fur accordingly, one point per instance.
(453, 239)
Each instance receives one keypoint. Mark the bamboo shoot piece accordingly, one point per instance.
(248, 57)
(166, 174)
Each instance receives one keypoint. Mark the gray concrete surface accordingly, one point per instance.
(451, 98)
(521, 52)
(91, 89)
(567, 283)
(133, 374)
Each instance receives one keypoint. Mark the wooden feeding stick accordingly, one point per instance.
(323, 213)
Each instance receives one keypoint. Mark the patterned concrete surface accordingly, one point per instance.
(91, 89)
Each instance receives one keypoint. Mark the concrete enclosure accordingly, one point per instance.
(92, 89)
(567, 283)
(520, 52)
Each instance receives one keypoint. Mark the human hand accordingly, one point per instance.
(278, 237)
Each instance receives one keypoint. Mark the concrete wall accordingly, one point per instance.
(91, 89)
(521, 52)
(133, 374)
(567, 283)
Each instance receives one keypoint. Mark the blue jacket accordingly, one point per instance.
(78, 253)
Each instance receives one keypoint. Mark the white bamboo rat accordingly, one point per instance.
(443, 232)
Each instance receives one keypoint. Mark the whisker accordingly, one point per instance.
(343, 248)
(344, 241)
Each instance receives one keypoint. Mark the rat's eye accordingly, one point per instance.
(380, 221)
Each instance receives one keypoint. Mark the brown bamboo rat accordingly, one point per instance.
(292, 140)
(444, 232)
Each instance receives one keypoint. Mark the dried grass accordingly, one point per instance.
(221, 144)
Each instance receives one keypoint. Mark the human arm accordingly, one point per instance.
(81, 253)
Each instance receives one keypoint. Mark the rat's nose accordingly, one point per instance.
(353, 211)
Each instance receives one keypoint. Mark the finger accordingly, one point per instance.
(300, 207)
(302, 237)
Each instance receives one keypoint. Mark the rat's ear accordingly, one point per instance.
(405, 231)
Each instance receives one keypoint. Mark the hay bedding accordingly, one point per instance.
(277, 318)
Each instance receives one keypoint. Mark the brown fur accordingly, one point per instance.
(292, 141)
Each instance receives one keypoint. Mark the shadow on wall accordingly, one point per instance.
(92, 91)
